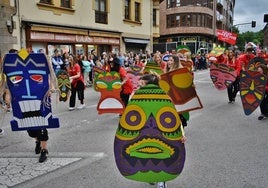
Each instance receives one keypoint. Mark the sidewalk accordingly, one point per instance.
(23, 169)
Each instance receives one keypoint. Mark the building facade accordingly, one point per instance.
(193, 23)
(80, 26)
(7, 39)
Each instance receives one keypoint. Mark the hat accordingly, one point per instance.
(249, 48)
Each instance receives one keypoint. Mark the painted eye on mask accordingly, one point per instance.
(168, 119)
(116, 85)
(37, 78)
(133, 118)
(101, 85)
(15, 79)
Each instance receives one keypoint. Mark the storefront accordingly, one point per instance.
(76, 41)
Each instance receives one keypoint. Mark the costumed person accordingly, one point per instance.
(173, 64)
(264, 103)
(77, 83)
(127, 87)
(31, 80)
(149, 141)
(245, 58)
(233, 88)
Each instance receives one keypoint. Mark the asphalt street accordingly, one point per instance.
(224, 148)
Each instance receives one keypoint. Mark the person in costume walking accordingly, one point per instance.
(233, 62)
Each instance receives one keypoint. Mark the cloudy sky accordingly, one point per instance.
(248, 10)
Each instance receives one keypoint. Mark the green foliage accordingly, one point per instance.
(249, 36)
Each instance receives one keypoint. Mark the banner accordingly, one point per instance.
(227, 37)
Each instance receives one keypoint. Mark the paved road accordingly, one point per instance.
(225, 148)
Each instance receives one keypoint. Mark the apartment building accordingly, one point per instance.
(80, 26)
(193, 23)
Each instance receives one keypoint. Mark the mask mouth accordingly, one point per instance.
(31, 114)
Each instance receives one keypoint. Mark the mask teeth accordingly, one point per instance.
(33, 121)
(30, 105)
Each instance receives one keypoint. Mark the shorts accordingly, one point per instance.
(40, 134)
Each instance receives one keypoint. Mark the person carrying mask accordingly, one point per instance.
(77, 83)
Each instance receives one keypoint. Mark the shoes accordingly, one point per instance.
(151, 183)
(71, 108)
(81, 106)
(161, 185)
(262, 117)
(43, 156)
(37, 147)
(231, 102)
(1, 131)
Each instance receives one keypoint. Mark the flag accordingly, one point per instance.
(227, 37)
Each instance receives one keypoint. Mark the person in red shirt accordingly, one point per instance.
(138, 62)
(245, 58)
(233, 62)
(127, 87)
(77, 83)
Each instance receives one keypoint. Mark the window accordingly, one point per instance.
(66, 3)
(127, 9)
(173, 3)
(137, 12)
(101, 14)
(189, 20)
(46, 1)
(154, 17)
(173, 20)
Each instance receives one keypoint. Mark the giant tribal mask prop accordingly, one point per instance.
(222, 75)
(109, 85)
(252, 89)
(28, 82)
(179, 86)
(64, 85)
(147, 145)
(134, 74)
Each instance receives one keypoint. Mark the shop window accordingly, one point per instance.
(101, 15)
(46, 1)
(66, 3)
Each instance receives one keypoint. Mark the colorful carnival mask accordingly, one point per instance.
(252, 89)
(147, 144)
(64, 85)
(109, 85)
(28, 82)
(255, 63)
(222, 75)
(152, 66)
(179, 86)
(134, 74)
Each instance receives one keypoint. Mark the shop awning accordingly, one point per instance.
(134, 40)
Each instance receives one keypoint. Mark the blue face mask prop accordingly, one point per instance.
(27, 77)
